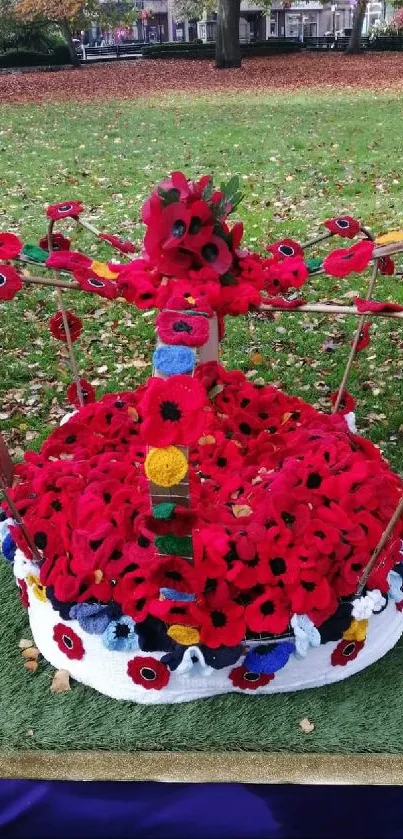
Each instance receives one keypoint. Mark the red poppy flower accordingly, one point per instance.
(346, 651)
(68, 641)
(285, 248)
(174, 572)
(175, 611)
(10, 282)
(365, 338)
(281, 303)
(187, 330)
(347, 403)
(269, 613)
(119, 244)
(90, 282)
(236, 235)
(137, 286)
(345, 226)
(23, 592)
(345, 261)
(223, 622)
(366, 306)
(56, 326)
(386, 266)
(313, 592)
(59, 242)
(216, 254)
(293, 272)
(65, 209)
(148, 672)
(242, 678)
(87, 391)
(173, 411)
(10, 246)
(68, 261)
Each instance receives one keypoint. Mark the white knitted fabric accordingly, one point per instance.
(106, 671)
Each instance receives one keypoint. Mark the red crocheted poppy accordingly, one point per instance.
(293, 272)
(138, 287)
(386, 266)
(10, 282)
(270, 612)
(176, 573)
(172, 611)
(281, 303)
(215, 254)
(242, 678)
(366, 306)
(347, 403)
(68, 261)
(345, 226)
(312, 592)
(172, 411)
(10, 245)
(59, 242)
(87, 390)
(223, 621)
(285, 248)
(124, 246)
(365, 338)
(187, 330)
(23, 592)
(181, 522)
(346, 651)
(346, 261)
(148, 672)
(56, 326)
(65, 209)
(68, 642)
(90, 282)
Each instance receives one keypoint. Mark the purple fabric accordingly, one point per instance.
(66, 810)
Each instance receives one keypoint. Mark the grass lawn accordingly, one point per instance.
(302, 157)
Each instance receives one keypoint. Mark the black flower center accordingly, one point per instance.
(3, 279)
(349, 649)
(95, 283)
(182, 326)
(140, 604)
(210, 252)
(314, 481)
(195, 225)
(65, 208)
(342, 223)
(277, 566)
(67, 642)
(251, 677)
(148, 674)
(221, 462)
(40, 540)
(174, 575)
(267, 608)
(288, 518)
(245, 428)
(218, 619)
(308, 586)
(143, 541)
(286, 250)
(178, 229)
(170, 411)
(122, 630)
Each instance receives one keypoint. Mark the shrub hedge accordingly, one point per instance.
(274, 46)
(29, 58)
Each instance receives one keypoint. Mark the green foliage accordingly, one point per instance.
(30, 58)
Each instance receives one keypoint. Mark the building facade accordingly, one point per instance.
(286, 19)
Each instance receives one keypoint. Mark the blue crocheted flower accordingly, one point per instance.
(306, 634)
(8, 548)
(92, 617)
(268, 658)
(395, 586)
(172, 594)
(173, 361)
(121, 635)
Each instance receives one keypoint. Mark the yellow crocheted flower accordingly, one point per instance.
(390, 238)
(102, 271)
(166, 467)
(357, 631)
(187, 636)
(37, 588)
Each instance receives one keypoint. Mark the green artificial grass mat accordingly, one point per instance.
(362, 714)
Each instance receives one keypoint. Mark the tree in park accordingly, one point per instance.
(228, 51)
(71, 16)
(354, 45)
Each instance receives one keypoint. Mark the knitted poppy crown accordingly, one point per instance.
(202, 534)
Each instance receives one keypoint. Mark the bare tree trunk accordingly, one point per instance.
(354, 45)
(228, 49)
(66, 30)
